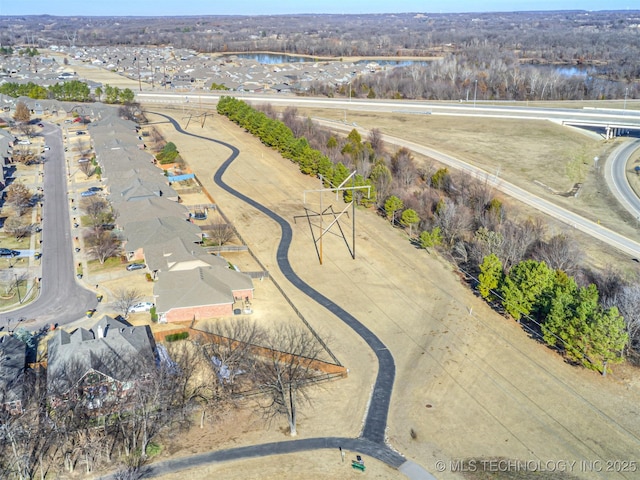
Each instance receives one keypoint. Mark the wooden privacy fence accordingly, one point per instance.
(332, 370)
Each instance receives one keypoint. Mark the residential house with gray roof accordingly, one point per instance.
(200, 293)
(148, 208)
(142, 235)
(101, 366)
(12, 365)
(176, 254)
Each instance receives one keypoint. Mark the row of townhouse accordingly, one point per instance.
(101, 366)
(190, 284)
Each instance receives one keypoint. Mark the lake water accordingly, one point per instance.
(275, 58)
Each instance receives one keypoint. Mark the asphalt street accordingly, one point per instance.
(616, 178)
(62, 299)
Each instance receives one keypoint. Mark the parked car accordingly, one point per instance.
(84, 160)
(94, 189)
(46, 148)
(88, 193)
(141, 307)
(136, 266)
(7, 252)
(81, 133)
(24, 142)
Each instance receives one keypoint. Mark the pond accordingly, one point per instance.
(277, 58)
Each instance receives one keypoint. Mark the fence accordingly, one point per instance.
(330, 370)
(265, 352)
(227, 248)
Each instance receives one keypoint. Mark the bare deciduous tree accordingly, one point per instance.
(97, 209)
(285, 375)
(627, 300)
(376, 141)
(403, 168)
(559, 252)
(19, 197)
(87, 169)
(125, 298)
(24, 154)
(102, 244)
(16, 227)
(233, 348)
(22, 113)
(220, 233)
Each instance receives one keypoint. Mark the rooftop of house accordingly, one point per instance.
(111, 346)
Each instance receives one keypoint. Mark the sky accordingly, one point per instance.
(280, 7)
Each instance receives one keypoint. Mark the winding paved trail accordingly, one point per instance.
(371, 440)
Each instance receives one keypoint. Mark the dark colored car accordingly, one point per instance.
(94, 189)
(136, 266)
(6, 252)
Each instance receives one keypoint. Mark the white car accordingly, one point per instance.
(141, 307)
(24, 142)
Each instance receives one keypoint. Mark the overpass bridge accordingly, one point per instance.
(609, 129)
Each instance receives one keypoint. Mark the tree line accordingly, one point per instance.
(275, 134)
(480, 76)
(588, 315)
(71, 91)
(604, 40)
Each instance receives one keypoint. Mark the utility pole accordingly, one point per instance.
(18, 287)
(138, 64)
(475, 93)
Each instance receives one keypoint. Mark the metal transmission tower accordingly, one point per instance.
(335, 215)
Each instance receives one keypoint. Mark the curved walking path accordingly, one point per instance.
(372, 438)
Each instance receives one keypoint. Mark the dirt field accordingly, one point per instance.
(469, 382)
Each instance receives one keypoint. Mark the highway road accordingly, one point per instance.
(574, 220)
(62, 299)
(616, 178)
(586, 115)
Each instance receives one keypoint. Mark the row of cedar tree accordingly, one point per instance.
(536, 281)
(70, 91)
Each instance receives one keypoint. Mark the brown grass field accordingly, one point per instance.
(470, 383)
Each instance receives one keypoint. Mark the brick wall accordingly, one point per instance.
(206, 311)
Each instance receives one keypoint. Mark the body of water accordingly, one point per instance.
(275, 58)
